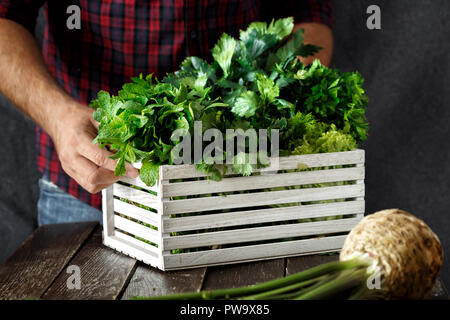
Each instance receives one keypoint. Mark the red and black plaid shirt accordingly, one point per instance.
(120, 39)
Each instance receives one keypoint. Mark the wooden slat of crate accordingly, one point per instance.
(148, 247)
(285, 163)
(228, 219)
(137, 229)
(253, 252)
(137, 213)
(262, 181)
(262, 198)
(108, 211)
(138, 182)
(137, 196)
(134, 248)
(259, 233)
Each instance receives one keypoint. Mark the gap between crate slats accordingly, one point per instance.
(259, 233)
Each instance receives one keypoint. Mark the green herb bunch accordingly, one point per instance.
(256, 82)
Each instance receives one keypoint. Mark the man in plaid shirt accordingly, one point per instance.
(117, 40)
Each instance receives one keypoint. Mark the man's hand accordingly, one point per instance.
(85, 162)
(71, 126)
(320, 35)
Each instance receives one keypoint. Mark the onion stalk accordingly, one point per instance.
(389, 255)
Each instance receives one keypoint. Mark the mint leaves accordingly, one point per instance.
(149, 172)
(255, 81)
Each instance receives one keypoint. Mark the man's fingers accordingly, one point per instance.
(94, 123)
(101, 157)
(102, 176)
(131, 171)
(91, 177)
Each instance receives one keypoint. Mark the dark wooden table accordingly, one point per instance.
(40, 269)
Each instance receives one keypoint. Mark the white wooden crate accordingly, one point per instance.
(197, 222)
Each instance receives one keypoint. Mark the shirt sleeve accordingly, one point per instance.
(302, 10)
(23, 12)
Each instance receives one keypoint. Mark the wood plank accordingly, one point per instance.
(104, 273)
(260, 233)
(262, 181)
(107, 211)
(148, 281)
(135, 195)
(237, 218)
(297, 264)
(185, 171)
(139, 183)
(243, 274)
(137, 229)
(137, 213)
(134, 248)
(39, 260)
(136, 242)
(262, 199)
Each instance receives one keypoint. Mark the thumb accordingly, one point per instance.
(93, 121)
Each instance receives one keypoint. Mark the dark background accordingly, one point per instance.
(406, 66)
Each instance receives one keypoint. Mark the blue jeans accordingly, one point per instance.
(57, 206)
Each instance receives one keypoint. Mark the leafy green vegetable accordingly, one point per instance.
(267, 88)
(149, 172)
(255, 81)
(223, 52)
(246, 104)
